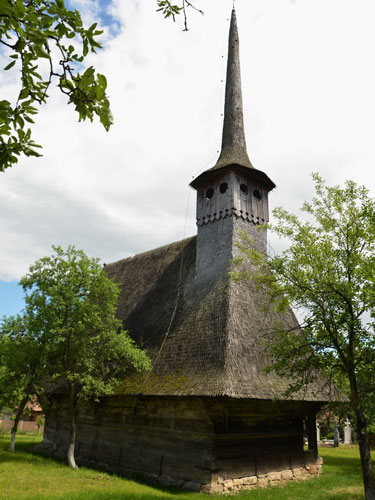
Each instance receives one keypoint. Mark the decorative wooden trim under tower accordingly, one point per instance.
(233, 187)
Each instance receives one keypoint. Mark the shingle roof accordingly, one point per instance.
(214, 347)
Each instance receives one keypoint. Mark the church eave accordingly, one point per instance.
(251, 173)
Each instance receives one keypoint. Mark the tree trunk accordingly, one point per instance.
(70, 455)
(365, 454)
(72, 428)
(13, 432)
(363, 440)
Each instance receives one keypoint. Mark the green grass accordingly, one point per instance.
(24, 476)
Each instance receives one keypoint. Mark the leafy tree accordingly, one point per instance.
(22, 366)
(327, 275)
(45, 41)
(70, 309)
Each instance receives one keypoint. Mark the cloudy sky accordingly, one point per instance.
(308, 76)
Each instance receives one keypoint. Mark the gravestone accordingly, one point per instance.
(336, 435)
(347, 432)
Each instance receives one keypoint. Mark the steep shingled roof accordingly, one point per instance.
(215, 346)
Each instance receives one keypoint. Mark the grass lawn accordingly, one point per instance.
(24, 476)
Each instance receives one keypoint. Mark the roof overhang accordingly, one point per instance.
(251, 173)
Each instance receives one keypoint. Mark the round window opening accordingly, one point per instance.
(209, 193)
(244, 188)
(257, 194)
(223, 187)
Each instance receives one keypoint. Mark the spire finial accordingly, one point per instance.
(233, 146)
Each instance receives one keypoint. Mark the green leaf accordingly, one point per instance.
(19, 8)
(85, 48)
(40, 51)
(31, 152)
(24, 93)
(102, 81)
(5, 8)
(10, 65)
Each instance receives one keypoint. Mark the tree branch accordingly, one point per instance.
(186, 3)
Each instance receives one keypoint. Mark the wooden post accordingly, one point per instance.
(311, 433)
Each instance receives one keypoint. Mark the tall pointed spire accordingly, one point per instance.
(233, 147)
(233, 154)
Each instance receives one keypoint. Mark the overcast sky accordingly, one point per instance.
(308, 78)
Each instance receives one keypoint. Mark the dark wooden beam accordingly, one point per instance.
(311, 433)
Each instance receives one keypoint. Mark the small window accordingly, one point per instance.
(257, 194)
(244, 188)
(223, 187)
(209, 193)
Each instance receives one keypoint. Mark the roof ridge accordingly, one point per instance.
(148, 252)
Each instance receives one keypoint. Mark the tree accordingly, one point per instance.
(45, 41)
(328, 275)
(22, 367)
(71, 306)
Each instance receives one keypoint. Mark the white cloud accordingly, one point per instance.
(308, 81)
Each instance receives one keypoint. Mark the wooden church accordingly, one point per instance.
(207, 418)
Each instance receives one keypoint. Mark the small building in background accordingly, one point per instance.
(31, 421)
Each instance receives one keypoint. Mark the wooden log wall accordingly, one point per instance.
(182, 441)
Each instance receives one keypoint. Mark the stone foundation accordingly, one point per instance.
(262, 480)
(226, 486)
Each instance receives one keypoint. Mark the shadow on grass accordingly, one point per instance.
(342, 465)
(18, 458)
(155, 493)
(131, 490)
(92, 495)
(348, 496)
(24, 443)
(24, 455)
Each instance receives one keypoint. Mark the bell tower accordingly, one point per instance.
(232, 196)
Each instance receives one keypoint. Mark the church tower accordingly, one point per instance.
(232, 195)
(207, 417)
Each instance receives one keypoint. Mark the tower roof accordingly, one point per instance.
(233, 144)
